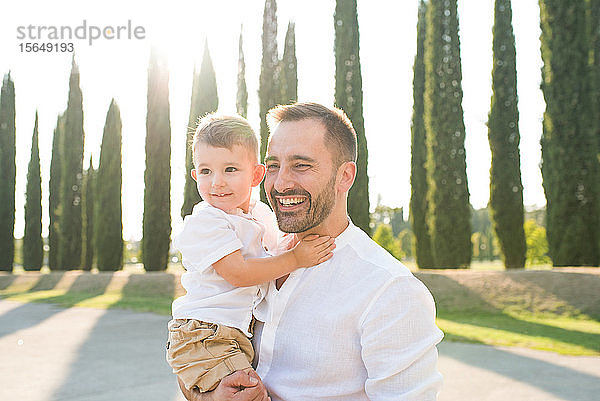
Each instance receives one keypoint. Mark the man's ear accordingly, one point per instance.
(258, 174)
(194, 176)
(346, 175)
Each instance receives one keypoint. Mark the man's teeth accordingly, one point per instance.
(290, 201)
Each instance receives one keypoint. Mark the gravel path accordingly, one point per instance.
(50, 353)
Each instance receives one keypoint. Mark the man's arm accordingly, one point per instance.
(238, 386)
(241, 272)
(398, 340)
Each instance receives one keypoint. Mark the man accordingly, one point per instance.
(359, 326)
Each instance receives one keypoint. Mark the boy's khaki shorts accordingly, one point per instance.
(201, 353)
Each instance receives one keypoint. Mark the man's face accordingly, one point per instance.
(301, 178)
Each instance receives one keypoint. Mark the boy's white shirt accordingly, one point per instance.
(209, 234)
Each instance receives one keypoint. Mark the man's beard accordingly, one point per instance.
(318, 208)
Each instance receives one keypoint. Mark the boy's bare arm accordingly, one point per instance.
(241, 272)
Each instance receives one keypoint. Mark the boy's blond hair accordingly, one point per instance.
(221, 131)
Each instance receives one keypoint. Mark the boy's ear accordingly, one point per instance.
(194, 174)
(258, 174)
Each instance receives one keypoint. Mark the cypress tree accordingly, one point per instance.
(289, 67)
(506, 189)
(7, 174)
(108, 212)
(349, 97)
(241, 102)
(157, 177)
(448, 216)
(89, 202)
(269, 90)
(71, 220)
(595, 74)
(595, 66)
(33, 244)
(54, 196)
(204, 100)
(418, 172)
(570, 169)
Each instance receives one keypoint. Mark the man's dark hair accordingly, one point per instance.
(340, 136)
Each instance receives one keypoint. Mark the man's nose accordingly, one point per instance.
(283, 181)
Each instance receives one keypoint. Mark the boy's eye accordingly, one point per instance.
(230, 169)
(205, 171)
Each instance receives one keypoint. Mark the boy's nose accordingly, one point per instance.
(218, 180)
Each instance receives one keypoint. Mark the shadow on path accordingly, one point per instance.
(123, 358)
(15, 320)
(562, 381)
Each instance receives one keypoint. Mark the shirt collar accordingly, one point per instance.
(345, 236)
(237, 212)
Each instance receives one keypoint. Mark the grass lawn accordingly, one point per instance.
(555, 310)
(564, 335)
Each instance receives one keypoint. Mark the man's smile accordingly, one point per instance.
(289, 203)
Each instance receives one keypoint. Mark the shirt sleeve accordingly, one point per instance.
(206, 237)
(398, 339)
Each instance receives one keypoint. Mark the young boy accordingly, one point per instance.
(223, 244)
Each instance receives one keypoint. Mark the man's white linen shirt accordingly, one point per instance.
(359, 326)
(209, 234)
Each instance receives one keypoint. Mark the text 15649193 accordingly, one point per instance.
(46, 47)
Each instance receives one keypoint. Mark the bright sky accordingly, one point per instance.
(118, 68)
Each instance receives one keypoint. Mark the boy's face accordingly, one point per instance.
(225, 177)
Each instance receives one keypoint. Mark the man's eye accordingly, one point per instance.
(302, 166)
(205, 171)
(272, 167)
(230, 169)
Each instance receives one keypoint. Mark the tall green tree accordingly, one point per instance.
(506, 189)
(570, 170)
(33, 244)
(595, 73)
(71, 219)
(157, 177)
(349, 97)
(54, 195)
(7, 174)
(204, 100)
(108, 210)
(269, 90)
(89, 203)
(241, 102)
(289, 67)
(384, 237)
(595, 66)
(448, 216)
(418, 171)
